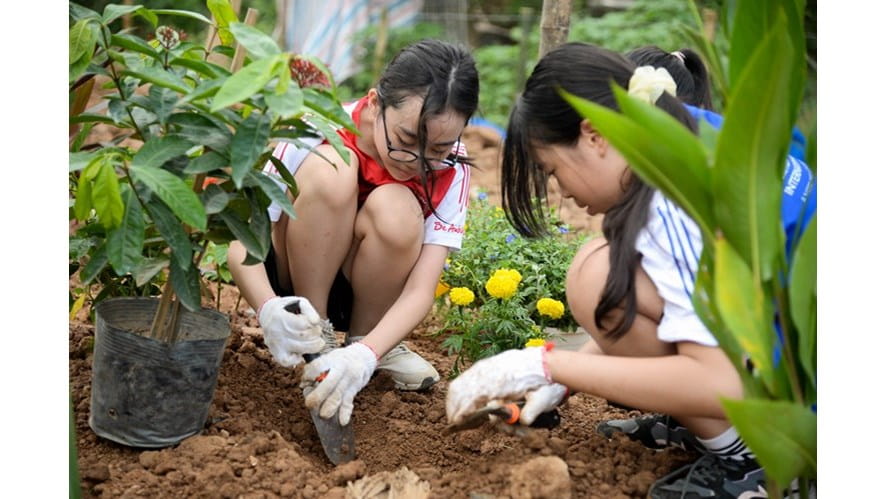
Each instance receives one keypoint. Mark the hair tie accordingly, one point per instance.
(680, 55)
(648, 84)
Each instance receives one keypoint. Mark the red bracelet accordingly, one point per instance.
(259, 310)
(371, 350)
(549, 345)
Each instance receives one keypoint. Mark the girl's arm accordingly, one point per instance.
(251, 280)
(413, 303)
(689, 383)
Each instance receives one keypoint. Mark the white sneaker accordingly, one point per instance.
(407, 368)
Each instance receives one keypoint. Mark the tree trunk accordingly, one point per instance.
(555, 25)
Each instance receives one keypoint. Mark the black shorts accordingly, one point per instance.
(339, 303)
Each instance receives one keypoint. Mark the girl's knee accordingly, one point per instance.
(585, 281)
(392, 213)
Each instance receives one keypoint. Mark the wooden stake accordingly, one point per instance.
(555, 25)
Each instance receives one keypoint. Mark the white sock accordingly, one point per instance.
(727, 445)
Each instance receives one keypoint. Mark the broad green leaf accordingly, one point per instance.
(333, 138)
(113, 11)
(207, 69)
(753, 21)
(92, 118)
(747, 178)
(83, 201)
(159, 150)
(241, 230)
(745, 309)
(802, 298)
(287, 104)
(125, 241)
(135, 44)
(186, 284)
(246, 82)
(106, 197)
(171, 230)
(259, 223)
(204, 89)
(79, 160)
(148, 268)
(215, 199)
(250, 139)
(272, 190)
(652, 159)
(82, 134)
(224, 16)
(157, 76)
(162, 103)
(148, 15)
(96, 264)
(324, 104)
(81, 40)
(177, 195)
(781, 434)
(79, 12)
(206, 162)
(285, 176)
(183, 13)
(810, 153)
(199, 129)
(284, 79)
(258, 44)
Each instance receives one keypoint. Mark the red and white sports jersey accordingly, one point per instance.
(449, 197)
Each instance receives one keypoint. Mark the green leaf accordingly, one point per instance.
(79, 160)
(159, 150)
(286, 105)
(186, 284)
(78, 68)
(106, 197)
(125, 241)
(83, 201)
(334, 139)
(285, 175)
(241, 230)
(148, 268)
(747, 179)
(258, 44)
(81, 39)
(177, 195)
(78, 12)
(802, 298)
(323, 103)
(160, 77)
(170, 228)
(92, 118)
(652, 157)
(183, 13)
(250, 140)
(199, 129)
(745, 308)
(113, 11)
(207, 69)
(206, 162)
(148, 15)
(246, 82)
(135, 44)
(224, 16)
(215, 199)
(96, 264)
(162, 102)
(272, 190)
(781, 434)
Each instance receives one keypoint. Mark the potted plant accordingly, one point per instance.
(177, 166)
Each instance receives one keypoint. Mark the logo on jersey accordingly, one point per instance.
(444, 227)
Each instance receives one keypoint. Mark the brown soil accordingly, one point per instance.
(259, 440)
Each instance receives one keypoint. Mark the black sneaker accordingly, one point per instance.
(712, 477)
(657, 431)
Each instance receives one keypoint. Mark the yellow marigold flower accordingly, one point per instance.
(501, 286)
(509, 273)
(441, 290)
(550, 308)
(461, 296)
(535, 342)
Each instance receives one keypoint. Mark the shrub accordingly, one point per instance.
(502, 290)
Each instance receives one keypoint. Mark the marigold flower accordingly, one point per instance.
(441, 290)
(509, 273)
(535, 342)
(501, 286)
(550, 308)
(461, 296)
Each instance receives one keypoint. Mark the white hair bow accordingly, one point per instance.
(648, 84)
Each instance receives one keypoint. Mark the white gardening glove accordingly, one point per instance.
(347, 370)
(509, 375)
(290, 335)
(542, 400)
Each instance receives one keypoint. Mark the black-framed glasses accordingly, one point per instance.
(407, 156)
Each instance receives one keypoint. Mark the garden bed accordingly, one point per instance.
(260, 442)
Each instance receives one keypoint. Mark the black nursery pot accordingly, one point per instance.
(146, 393)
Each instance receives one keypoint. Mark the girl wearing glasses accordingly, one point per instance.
(372, 234)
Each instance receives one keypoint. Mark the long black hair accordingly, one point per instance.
(686, 68)
(445, 76)
(541, 116)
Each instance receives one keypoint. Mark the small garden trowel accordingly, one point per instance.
(337, 440)
(509, 413)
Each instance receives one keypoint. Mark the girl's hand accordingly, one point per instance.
(288, 334)
(510, 375)
(347, 370)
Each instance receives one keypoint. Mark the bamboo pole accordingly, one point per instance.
(381, 45)
(555, 24)
(526, 20)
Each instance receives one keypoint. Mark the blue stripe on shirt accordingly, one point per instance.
(673, 253)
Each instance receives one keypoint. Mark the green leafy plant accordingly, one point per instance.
(496, 317)
(188, 139)
(731, 184)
